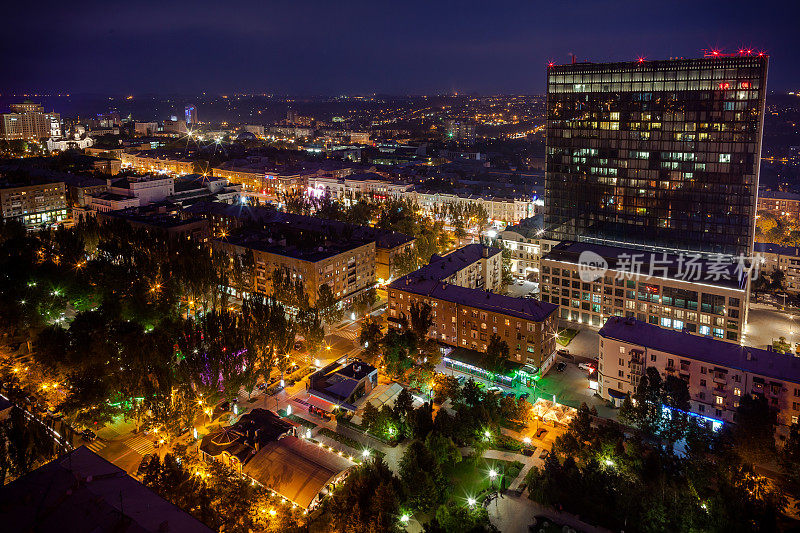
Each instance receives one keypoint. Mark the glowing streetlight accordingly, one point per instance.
(527, 441)
(487, 434)
(492, 474)
(609, 462)
(405, 518)
(365, 454)
(471, 501)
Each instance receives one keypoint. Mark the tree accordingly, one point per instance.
(753, 435)
(370, 336)
(790, 454)
(328, 305)
(421, 320)
(403, 404)
(368, 501)
(472, 394)
(496, 357)
(442, 448)
(446, 387)
(454, 517)
(422, 478)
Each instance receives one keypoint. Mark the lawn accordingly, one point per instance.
(469, 479)
(565, 336)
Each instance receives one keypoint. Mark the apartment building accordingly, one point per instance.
(591, 283)
(225, 219)
(346, 266)
(473, 266)
(466, 313)
(780, 204)
(717, 373)
(467, 318)
(527, 244)
(773, 257)
(34, 204)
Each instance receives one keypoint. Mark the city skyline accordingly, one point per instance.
(315, 48)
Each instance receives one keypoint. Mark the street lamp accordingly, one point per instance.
(365, 453)
(404, 518)
(471, 501)
(527, 441)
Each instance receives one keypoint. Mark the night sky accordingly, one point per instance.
(354, 47)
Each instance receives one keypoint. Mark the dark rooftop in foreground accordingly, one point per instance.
(689, 267)
(707, 349)
(82, 492)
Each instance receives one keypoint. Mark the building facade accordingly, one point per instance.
(703, 298)
(28, 121)
(780, 204)
(717, 374)
(656, 154)
(348, 268)
(468, 318)
(34, 205)
(772, 257)
(527, 244)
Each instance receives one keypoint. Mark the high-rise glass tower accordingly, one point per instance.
(660, 155)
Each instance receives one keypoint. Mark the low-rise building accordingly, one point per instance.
(266, 449)
(717, 373)
(154, 162)
(35, 204)
(527, 245)
(341, 384)
(779, 203)
(148, 189)
(591, 283)
(772, 257)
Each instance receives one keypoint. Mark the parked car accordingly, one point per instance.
(298, 346)
(494, 389)
(461, 379)
(586, 366)
(88, 435)
(561, 366)
(510, 394)
(524, 395)
(144, 465)
(541, 433)
(564, 353)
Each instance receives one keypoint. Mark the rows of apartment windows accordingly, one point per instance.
(668, 307)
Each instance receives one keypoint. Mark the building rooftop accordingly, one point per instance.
(771, 248)
(269, 453)
(690, 267)
(524, 308)
(83, 492)
(337, 382)
(291, 244)
(441, 267)
(709, 350)
(778, 195)
(384, 239)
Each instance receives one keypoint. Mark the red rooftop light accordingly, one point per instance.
(641, 60)
(551, 64)
(714, 52)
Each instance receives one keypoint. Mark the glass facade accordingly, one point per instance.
(657, 155)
